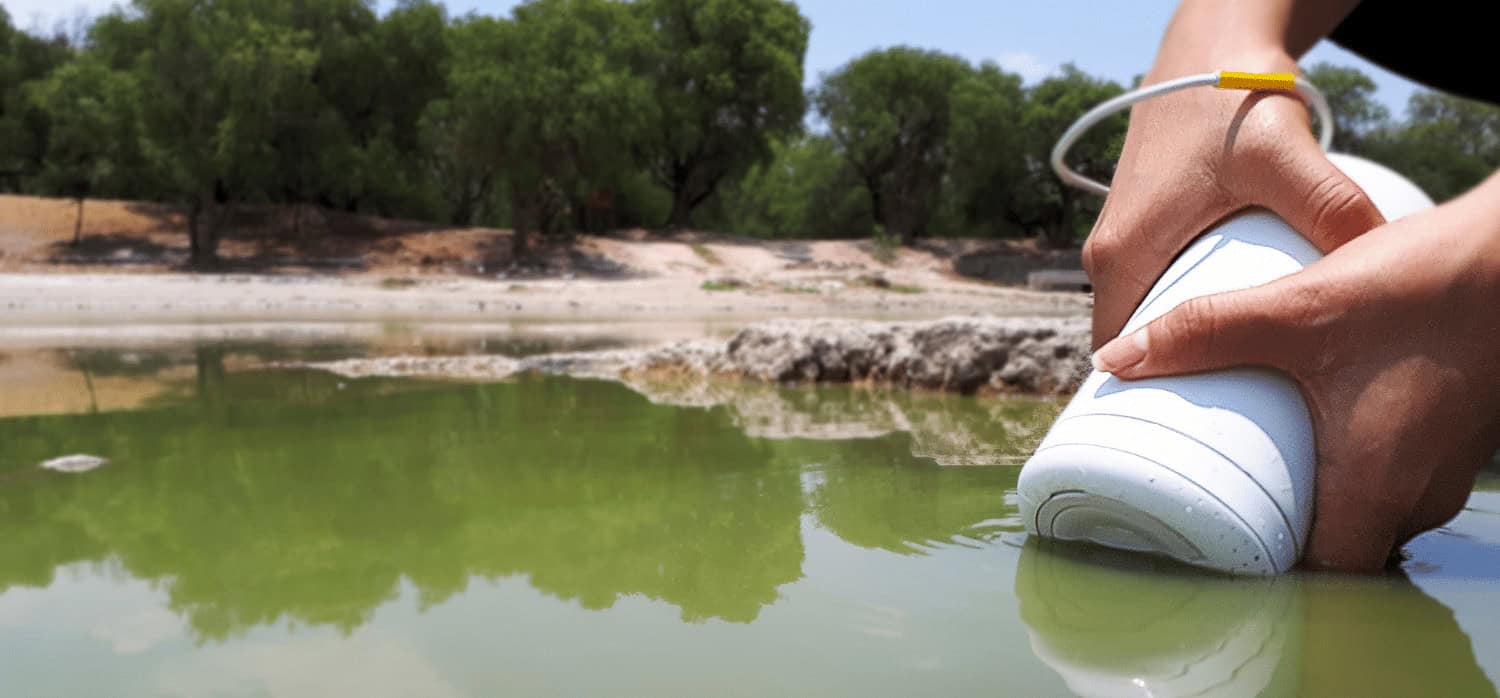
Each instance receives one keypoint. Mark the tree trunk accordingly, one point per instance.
(210, 364)
(203, 237)
(686, 198)
(681, 216)
(877, 201)
(908, 218)
(88, 381)
(78, 224)
(682, 208)
(470, 200)
(899, 216)
(192, 224)
(520, 223)
(1060, 235)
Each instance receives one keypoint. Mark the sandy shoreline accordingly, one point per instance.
(128, 270)
(53, 326)
(58, 299)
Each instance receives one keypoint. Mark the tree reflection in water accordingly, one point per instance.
(258, 496)
(252, 498)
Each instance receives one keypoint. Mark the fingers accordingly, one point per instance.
(1256, 326)
(1266, 326)
(1316, 198)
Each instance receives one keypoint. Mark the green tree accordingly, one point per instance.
(1351, 96)
(462, 160)
(806, 190)
(411, 48)
(91, 112)
(1446, 145)
(1043, 204)
(231, 109)
(23, 128)
(184, 104)
(889, 112)
(729, 82)
(463, 147)
(989, 143)
(371, 83)
(307, 116)
(557, 97)
(265, 74)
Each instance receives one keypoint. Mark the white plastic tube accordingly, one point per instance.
(1214, 469)
(1315, 101)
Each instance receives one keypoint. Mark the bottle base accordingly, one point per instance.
(1132, 485)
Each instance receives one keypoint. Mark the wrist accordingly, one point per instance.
(1242, 55)
(1481, 206)
(1468, 228)
(1208, 35)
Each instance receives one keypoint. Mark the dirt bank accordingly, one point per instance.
(129, 268)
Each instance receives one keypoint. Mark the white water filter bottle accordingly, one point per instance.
(1214, 469)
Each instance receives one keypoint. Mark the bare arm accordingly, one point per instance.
(1194, 157)
(1206, 32)
(1390, 337)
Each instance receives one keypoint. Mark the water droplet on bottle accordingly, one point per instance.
(1189, 510)
(1281, 536)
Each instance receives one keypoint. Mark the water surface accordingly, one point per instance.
(280, 532)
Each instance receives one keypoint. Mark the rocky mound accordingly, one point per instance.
(963, 355)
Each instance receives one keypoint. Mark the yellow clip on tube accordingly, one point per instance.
(1280, 82)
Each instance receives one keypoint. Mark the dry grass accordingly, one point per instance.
(396, 283)
(723, 285)
(707, 255)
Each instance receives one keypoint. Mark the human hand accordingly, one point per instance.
(1392, 339)
(1196, 156)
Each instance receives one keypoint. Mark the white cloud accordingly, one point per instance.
(136, 631)
(1029, 66)
(367, 663)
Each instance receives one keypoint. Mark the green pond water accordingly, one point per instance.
(287, 532)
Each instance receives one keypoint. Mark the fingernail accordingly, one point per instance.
(1122, 352)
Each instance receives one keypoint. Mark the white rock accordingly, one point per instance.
(76, 463)
(1029, 355)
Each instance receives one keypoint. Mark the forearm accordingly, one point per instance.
(1477, 249)
(1253, 35)
(1486, 197)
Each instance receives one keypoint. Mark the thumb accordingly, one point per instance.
(1317, 198)
(1239, 328)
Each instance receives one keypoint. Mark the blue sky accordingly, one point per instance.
(1112, 38)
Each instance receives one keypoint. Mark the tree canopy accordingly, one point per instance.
(572, 115)
(728, 80)
(890, 114)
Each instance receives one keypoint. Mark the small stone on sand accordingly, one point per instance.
(77, 463)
